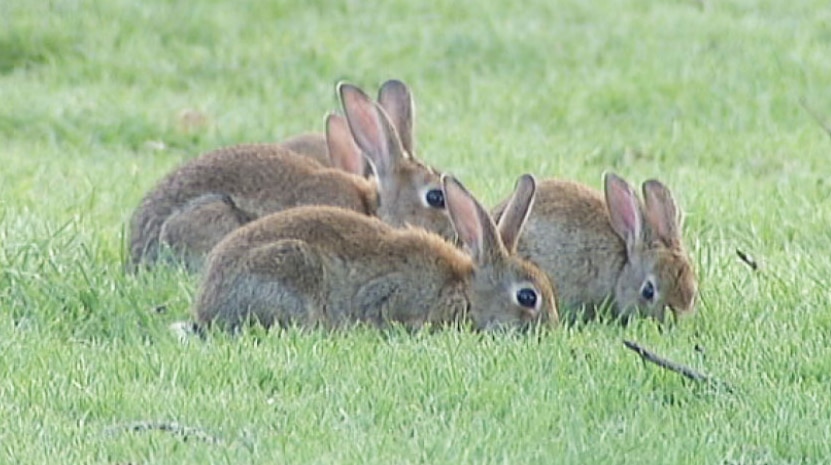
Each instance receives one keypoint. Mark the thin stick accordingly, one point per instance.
(816, 117)
(682, 370)
(185, 432)
(748, 260)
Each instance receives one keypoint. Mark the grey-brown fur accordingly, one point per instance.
(207, 197)
(329, 267)
(311, 144)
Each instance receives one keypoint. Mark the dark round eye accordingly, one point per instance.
(435, 198)
(527, 297)
(648, 291)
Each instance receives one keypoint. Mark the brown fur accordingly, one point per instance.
(570, 235)
(323, 266)
(311, 144)
(207, 197)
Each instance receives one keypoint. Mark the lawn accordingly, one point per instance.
(723, 101)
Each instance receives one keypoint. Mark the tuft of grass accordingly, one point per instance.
(101, 99)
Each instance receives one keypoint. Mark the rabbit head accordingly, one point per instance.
(505, 289)
(657, 273)
(410, 192)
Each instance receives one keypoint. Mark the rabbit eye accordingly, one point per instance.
(435, 198)
(648, 291)
(526, 297)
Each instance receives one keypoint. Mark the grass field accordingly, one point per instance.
(100, 99)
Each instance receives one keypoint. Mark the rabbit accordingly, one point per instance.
(208, 197)
(614, 250)
(394, 97)
(196, 206)
(318, 266)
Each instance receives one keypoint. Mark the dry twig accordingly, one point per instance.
(748, 260)
(185, 432)
(687, 372)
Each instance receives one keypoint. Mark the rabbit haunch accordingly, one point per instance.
(322, 266)
(610, 249)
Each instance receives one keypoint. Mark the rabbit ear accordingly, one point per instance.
(472, 222)
(396, 99)
(373, 132)
(516, 211)
(624, 210)
(343, 151)
(662, 214)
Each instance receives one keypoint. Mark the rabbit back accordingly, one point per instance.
(331, 267)
(568, 235)
(310, 144)
(256, 179)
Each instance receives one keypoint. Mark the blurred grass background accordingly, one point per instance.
(98, 100)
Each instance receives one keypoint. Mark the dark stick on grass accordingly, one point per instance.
(816, 117)
(185, 432)
(687, 372)
(748, 260)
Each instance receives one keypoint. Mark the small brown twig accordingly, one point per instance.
(815, 116)
(682, 370)
(185, 432)
(748, 260)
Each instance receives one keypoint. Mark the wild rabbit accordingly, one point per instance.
(208, 197)
(329, 267)
(614, 250)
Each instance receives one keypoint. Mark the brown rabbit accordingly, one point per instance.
(614, 250)
(209, 196)
(329, 267)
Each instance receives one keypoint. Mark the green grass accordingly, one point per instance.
(92, 98)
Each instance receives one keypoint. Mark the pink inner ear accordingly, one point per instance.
(623, 208)
(465, 217)
(365, 123)
(343, 151)
(363, 119)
